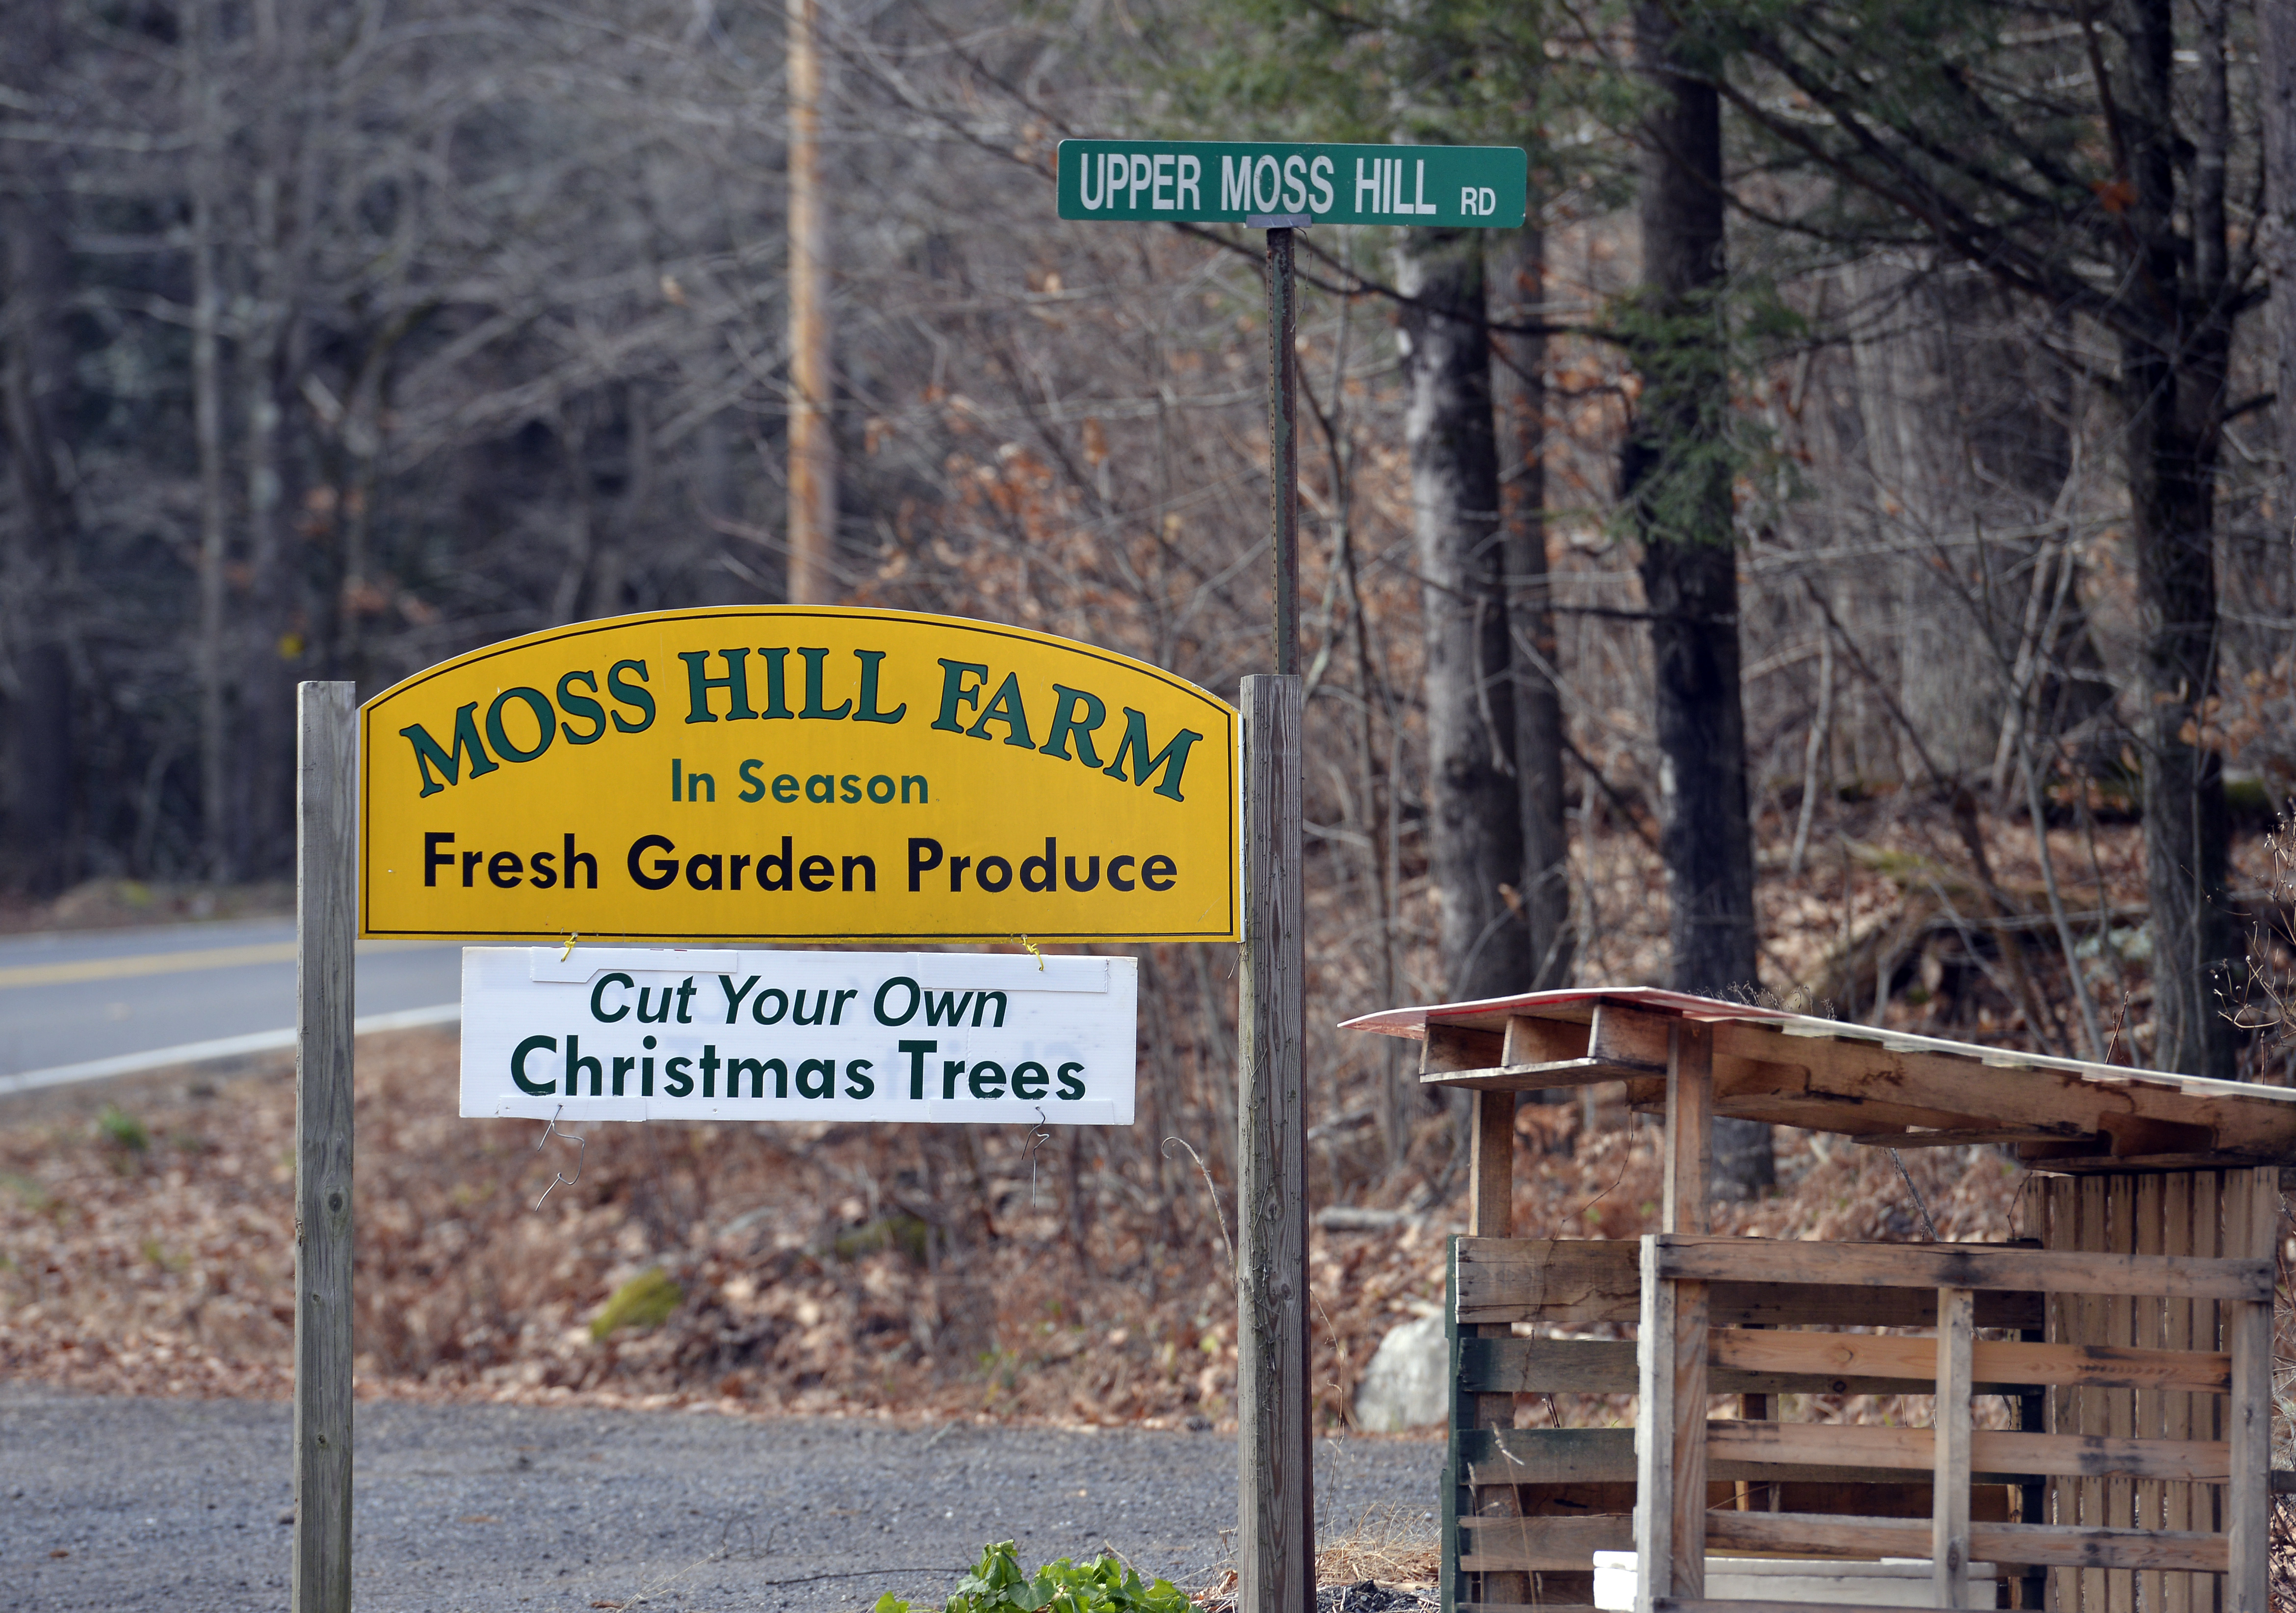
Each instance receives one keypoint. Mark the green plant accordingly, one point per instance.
(645, 1300)
(121, 1130)
(996, 1585)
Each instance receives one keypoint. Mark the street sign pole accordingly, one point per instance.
(1283, 442)
(1281, 187)
(1275, 1541)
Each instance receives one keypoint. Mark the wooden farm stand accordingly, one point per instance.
(2130, 1328)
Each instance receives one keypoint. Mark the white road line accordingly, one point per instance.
(224, 1047)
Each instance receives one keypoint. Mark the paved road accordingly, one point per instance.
(119, 1503)
(100, 997)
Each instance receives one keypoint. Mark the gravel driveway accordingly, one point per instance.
(118, 1504)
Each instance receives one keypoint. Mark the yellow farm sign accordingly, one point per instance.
(791, 774)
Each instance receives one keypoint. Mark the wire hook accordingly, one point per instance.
(1038, 1136)
(582, 1148)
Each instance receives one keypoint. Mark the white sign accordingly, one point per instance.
(618, 1033)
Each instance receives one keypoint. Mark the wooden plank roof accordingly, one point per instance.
(1874, 1084)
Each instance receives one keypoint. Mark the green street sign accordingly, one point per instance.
(1255, 182)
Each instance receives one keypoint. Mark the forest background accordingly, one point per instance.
(1838, 552)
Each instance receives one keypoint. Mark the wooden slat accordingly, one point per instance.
(1849, 1117)
(2090, 1417)
(1565, 1281)
(1962, 1136)
(1656, 1443)
(1459, 1047)
(1490, 1167)
(1520, 1545)
(1546, 1456)
(1974, 1265)
(1999, 1365)
(2248, 1502)
(1684, 1192)
(2061, 1217)
(2094, 1232)
(2121, 1404)
(1525, 1077)
(2209, 1415)
(1602, 1366)
(2147, 1320)
(1455, 1496)
(1579, 1281)
(1950, 1425)
(1994, 1450)
(2177, 1406)
(1491, 1215)
(1689, 1402)
(1632, 1038)
(2055, 1545)
(1606, 1456)
(1685, 1207)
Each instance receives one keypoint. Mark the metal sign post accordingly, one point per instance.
(1281, 188)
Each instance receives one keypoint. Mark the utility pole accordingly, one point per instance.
(812, 444)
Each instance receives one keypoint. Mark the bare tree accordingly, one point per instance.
(1476, 839)
(1677, 478)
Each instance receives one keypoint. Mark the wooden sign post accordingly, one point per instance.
(1282, 188)
(327, 919)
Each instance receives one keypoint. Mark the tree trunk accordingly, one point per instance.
(1950, 679)
(36, 405)
(2172, 389)
(2276, 28)
(1677, 475)
(218, 808)
(1475, 823)
(1521, 385)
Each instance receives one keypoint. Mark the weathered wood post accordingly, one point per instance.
(1275, 1437)
(1275, 1540)
(1670, 1423)
(325, 926)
